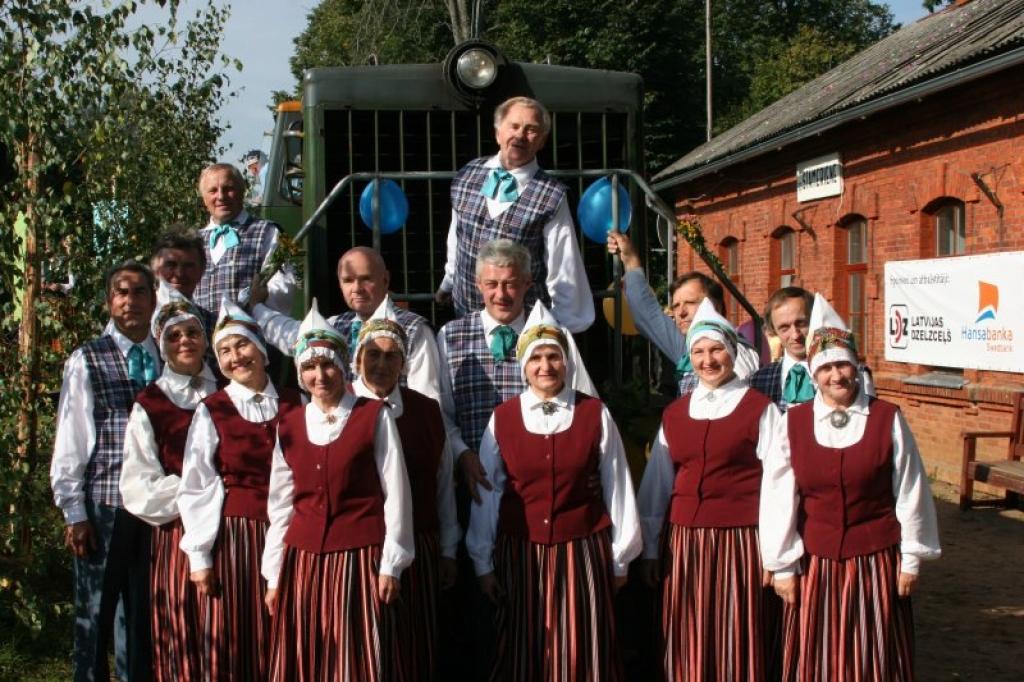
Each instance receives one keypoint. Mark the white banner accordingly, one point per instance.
(956, 312)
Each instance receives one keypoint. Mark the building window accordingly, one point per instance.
(851, 251)
(729, 254)
(944, 229)
(783, 257)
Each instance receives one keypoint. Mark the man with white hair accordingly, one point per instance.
(508, 196)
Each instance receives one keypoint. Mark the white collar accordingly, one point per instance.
(245, 394)
(565, 399)
(523, 174)
(124, 344)
(860, 405)
(321, 417)
(239, 219)
(393, 399)
(789, 362)
(179, 382)
(702, 392)
(490, 324)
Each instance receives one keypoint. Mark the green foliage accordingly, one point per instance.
(104, 128)
(352, 32)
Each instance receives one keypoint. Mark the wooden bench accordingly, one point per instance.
(1008, 473)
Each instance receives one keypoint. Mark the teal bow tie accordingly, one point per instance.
(500, 186)
(141, 366)
(798, 387)
(683, 366)
(226, 231)
(503, 340)
(353, 335)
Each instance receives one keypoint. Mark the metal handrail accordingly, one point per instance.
(652, 200)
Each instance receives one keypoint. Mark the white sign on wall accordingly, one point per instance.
(820, 177)
(956, 312)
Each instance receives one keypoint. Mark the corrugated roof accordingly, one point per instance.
(936, 44)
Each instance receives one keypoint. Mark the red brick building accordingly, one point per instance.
(929, 127)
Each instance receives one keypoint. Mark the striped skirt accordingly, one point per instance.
(850, 625)
(174, 616)
(417, 611)
(234, 625)
(556, 621)
(717, 622)
(330, 623)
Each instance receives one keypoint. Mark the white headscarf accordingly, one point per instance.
(317, 339)
(171, 308)
(709, 324)
(382, 323)
(830, 338)
(233, 321)
(542, 329)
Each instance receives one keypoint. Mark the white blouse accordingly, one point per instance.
(450, 531)
(616, 484)
(781, 545)
(201, 491)
(146, 489)
(660, 475)
(399, 547)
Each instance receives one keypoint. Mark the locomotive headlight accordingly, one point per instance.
(476, 68)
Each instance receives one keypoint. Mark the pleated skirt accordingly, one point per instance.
(175, 608)
(330, 623)
(850, 625)
(234, 624)
(556, 622)
(717, 621)
(417, 610)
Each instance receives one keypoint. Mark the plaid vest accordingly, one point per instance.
(113, 396)
(479, 384)
(235, 269)
(410, 321)
(688, 384)
(768, 380)
(522, 222)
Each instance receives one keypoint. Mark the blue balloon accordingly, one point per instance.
(595, 210)
(394, 207)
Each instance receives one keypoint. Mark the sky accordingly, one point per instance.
(260, 33)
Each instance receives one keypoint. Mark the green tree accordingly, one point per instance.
(104, 127)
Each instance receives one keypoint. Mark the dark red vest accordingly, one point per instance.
(718, 474)
(170, 426)
(422, 432)
(847, 507)
(337, 500)
(245, 452)
(546, 497)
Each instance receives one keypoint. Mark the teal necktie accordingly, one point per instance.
(141, 366)
(227, 232)
(503, 340)
(683, 366)
(500, 186)
(798, 387)
(353, 334)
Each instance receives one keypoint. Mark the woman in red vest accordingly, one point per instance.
(341, 526)
(719, 616)
(846, 518)
(379, 365)
(223, 501)
(154, 446)
(549, 549)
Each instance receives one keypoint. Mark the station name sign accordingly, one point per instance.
(820, 177)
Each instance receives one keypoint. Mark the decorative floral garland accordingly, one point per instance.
(689, 228)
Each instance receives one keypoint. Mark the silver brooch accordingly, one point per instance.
(548, 408)
(330, 419)
(711, 396)
(839, 418)
(196, 382)
(258, 398)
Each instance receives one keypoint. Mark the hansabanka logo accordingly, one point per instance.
(988, 301)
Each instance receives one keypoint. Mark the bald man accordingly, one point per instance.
(363, 279)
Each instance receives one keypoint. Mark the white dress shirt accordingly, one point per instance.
(781, 545)
(399, 547)
(422, 366)
(201, 491)
(580, 378)
(76, 432)
(660, 475)
(572, 303)
(450, 531)
(146, 489)
(616, 484)
(282, 286)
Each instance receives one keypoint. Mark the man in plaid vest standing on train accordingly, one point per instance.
(508, 196)
(237, 244)
(110, 546)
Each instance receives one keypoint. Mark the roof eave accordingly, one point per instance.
(931, 86)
